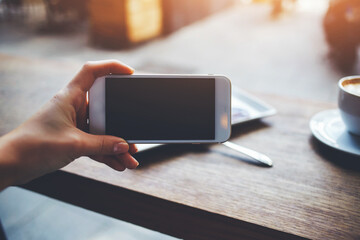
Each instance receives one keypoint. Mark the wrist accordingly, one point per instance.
(9, 161)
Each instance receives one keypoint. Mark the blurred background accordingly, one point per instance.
(291, 48)
(259, 44)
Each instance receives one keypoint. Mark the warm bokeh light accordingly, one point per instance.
(144, 19)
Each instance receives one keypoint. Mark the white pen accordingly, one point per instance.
(250, 153)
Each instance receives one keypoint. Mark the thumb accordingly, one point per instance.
(102, 145)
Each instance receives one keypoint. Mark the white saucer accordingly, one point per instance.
(328, 128)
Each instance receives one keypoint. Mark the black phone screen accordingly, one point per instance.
(160, 108)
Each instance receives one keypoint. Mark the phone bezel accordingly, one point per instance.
(97, 114)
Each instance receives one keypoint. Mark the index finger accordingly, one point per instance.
(94, 69)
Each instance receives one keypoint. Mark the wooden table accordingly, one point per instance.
(208, 191)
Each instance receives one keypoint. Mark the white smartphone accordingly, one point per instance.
(161, 108)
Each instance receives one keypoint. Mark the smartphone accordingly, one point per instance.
(161, 108)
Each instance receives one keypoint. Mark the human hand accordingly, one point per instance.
(55, 136)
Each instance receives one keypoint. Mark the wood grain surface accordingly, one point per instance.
(208, 191)
(312, 191)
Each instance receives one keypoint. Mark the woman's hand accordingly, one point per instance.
(55, 136)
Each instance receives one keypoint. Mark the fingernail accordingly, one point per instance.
(135, 162)
(136, 149)
(121, 147)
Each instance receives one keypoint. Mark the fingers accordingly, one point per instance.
(132, 148)
(127, 160)
(113, 151)
(94, 69)
(111, 161)
(118, 162)
(101, 145)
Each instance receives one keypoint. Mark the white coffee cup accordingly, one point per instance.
(349, 103)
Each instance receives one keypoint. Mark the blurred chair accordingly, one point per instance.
(342, 30)
(122, 23)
